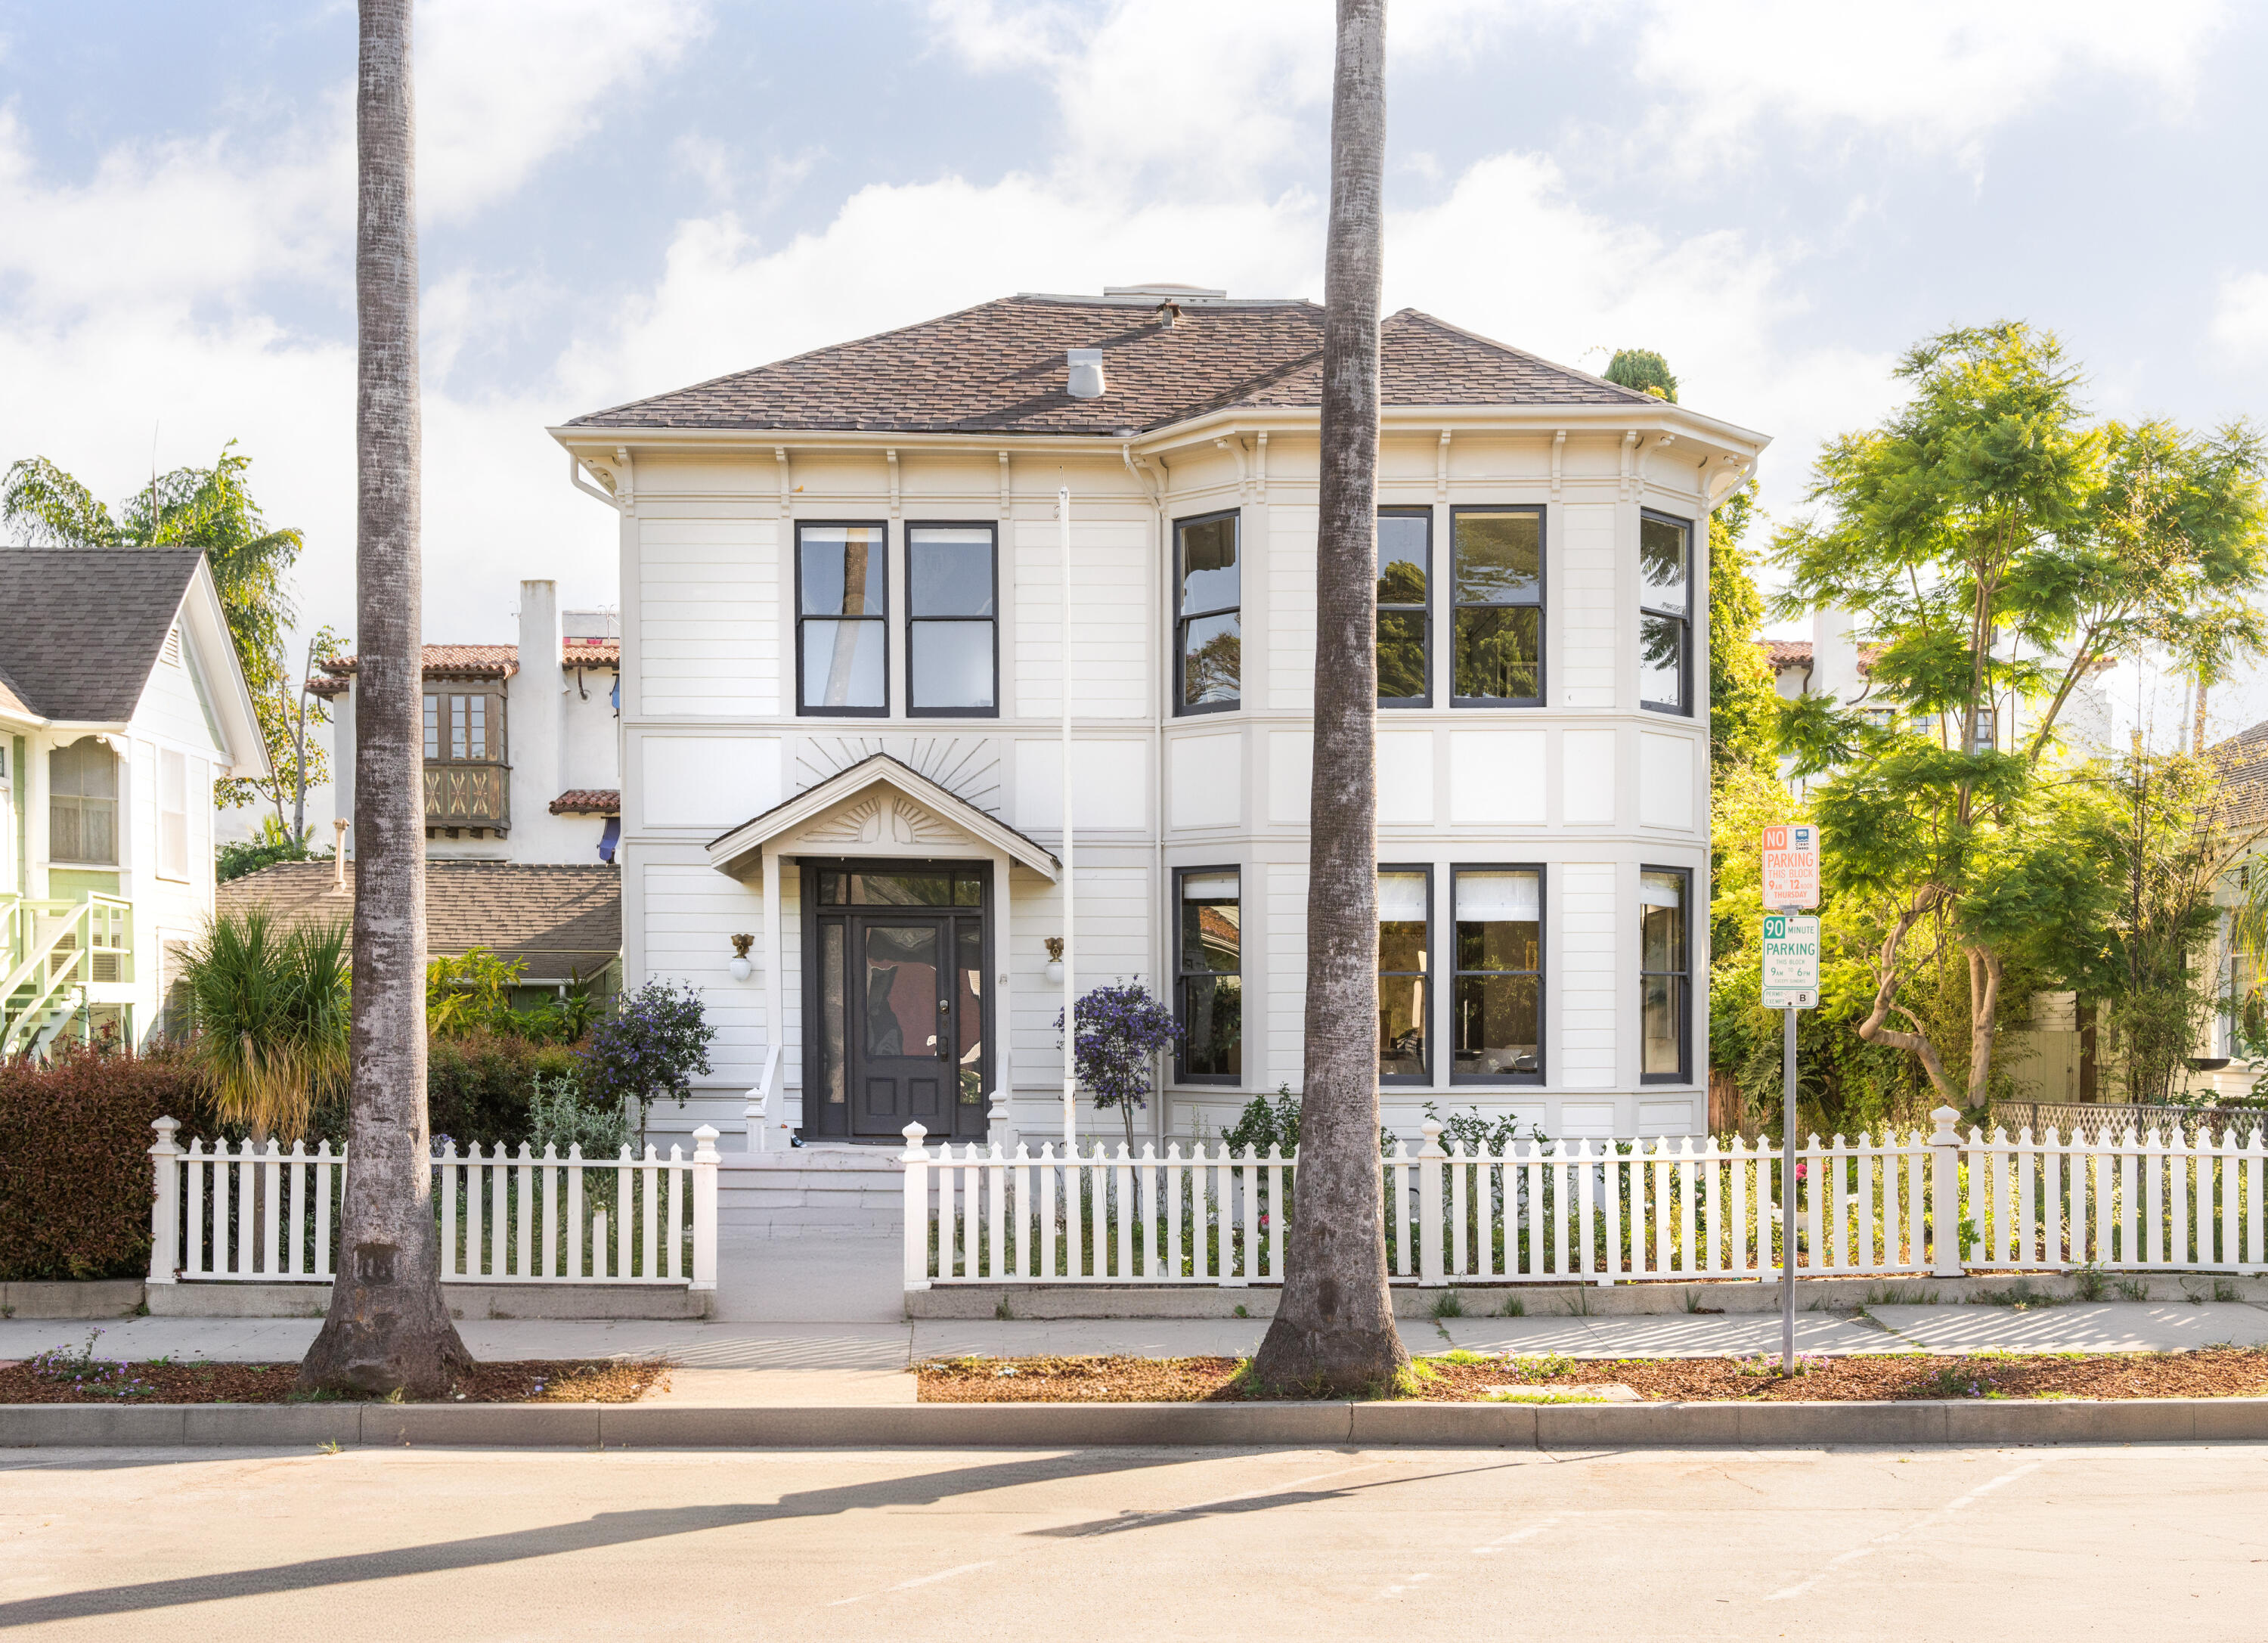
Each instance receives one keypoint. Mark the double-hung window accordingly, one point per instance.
(1208, 599)
(1497, 1004)
(1209, 986)
(1665, 621)
(952, 655)
(841, 625)
(1665, 975)
(1498, 592)
(1405, 902)
(462, 726)
(1405, 559)
(83, 803)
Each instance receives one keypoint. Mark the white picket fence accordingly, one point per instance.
(265, 1215)
(1601, 1212)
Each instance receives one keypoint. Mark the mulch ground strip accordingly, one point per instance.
(536, 1381)
(2209, 1371)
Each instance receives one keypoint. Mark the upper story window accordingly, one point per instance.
(83, 803)
(1405, 632)
(952, 655)
(1405, 902)
(464, 727)
(841, 632)
(1988, 730)
(1665, 975)
(1208, 600)
(1498, 596)
(1209, 985)
(1665, 622)
(1497, 1005)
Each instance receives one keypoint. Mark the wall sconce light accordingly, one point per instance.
(740, 966)
(1054, 971)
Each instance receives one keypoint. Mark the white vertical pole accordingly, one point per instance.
(775, 1010)
(1070, 938)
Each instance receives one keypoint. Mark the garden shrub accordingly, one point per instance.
(478, 1086)
(75, 1172)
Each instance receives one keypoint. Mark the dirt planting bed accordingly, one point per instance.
(1469, 1377)
(99, 1380)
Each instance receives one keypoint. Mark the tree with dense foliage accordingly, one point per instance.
(210, 509)
(1121, 1028)
(389, 1329)
(1997, 546)
(1643, 371)
(653, 1045)
(1333, 1331)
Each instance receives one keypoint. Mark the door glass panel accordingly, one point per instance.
(969, 1009)
(833, 1046)
(888, 889)
(900, 1015)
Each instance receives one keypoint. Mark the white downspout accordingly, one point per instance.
(1071, 938)
(1162, 950)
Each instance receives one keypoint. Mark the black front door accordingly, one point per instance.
(898, 1000)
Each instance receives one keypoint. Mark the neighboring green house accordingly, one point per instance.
(120, 703)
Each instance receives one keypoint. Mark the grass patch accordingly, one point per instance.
(2020, 1295)
(1448, 1304)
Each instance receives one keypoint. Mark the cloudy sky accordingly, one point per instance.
(623, 198)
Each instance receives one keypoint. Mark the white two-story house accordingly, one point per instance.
(846, 642)
(121, 702)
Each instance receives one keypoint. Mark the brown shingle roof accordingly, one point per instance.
(562, 919)
(2241, 763)
(999, 368)
(80, 627)
(588, 801)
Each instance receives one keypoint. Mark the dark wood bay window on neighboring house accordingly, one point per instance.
(1498, 597)
(1209, 989)
(1665, 621)
(467, 778)
(1405, 561)
(1208, 614)
(1497, 1005)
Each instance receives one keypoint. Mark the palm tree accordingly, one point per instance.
(389, 1329)
(268, 1011)
(1333, 1327)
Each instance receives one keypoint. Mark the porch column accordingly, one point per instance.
(775, 989)
(1000, 1121)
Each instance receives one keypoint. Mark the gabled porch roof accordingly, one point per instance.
(728, 851)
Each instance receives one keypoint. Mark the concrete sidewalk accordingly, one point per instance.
(785, 1362)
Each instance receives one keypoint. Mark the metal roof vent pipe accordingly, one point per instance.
(1085, 372)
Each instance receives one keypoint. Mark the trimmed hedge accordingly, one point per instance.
(477, 1087)
(75, 1177)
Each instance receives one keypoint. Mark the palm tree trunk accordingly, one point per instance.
(1333, 1329)
(389, 1329)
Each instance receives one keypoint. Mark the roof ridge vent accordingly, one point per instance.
(1086, 381)
(1165, 288)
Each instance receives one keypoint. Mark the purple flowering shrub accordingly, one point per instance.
(651, 1046)
(1121, 1027)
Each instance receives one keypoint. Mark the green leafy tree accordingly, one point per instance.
(210, 509)
(1998, 547)
(1645, 371)
(268, 1018)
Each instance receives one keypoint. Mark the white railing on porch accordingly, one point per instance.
(265, 1215)
(1601, 1212)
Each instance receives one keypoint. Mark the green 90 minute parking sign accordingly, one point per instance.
(1791, 961)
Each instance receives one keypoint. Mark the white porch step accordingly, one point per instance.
(814, 1189)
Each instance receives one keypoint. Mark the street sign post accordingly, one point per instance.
(1790, 983)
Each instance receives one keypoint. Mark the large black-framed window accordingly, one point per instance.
(841, 622)
(1497, 599)
(1208, 979)
(1497, 998)
(1405, 617)
(1208, 613)
(1665, 975)
(1405, 951)
(952, 650)
(1665, 620)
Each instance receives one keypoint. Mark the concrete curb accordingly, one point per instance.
(1985, 1422)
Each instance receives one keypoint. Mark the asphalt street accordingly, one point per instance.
(2137, 1542)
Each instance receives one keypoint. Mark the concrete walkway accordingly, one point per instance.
(791, 1361)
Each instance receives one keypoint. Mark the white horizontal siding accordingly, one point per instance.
(1112, 944)
(1587, 995)
(1587, 666)
(1280, 1010)
(1289, 644)
(1110, 619)
(690, 914)
(709, 619)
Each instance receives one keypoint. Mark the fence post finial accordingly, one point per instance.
(916, 1216)
(1945, 1194)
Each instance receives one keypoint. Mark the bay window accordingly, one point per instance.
(1208, 601)
(1209, 982)
(1665, 622)
(1497, 592)
(1405, 902)
(1665, 975)
(1405, 553)
(1497, 1004)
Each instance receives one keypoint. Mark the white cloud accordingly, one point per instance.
(2239, 317)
